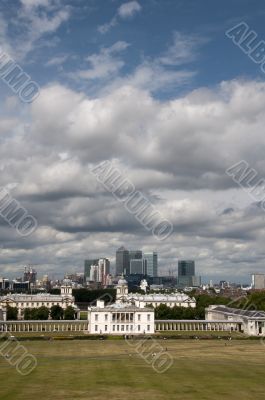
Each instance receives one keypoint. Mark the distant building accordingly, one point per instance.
(100, 271)
(137, 266)
(87, 266)
(170, 300)
(122, 261)
(30, 275)
(251, 322)
(22, 301)
(186, 274)
(258, 281)
(186, 268)
(151, 264)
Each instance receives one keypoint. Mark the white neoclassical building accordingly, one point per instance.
(122, 317)
(22, 301)
(250, 322)
(170, 300)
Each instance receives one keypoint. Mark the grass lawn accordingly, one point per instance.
(214, 369)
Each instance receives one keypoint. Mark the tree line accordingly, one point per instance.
(42, 313)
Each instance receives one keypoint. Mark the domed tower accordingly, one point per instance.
(121, 290)
(66, 288)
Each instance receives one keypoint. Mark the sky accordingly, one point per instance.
(155, 87)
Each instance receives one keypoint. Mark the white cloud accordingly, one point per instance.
(35, 20)
(125, 11)
(105, 64)
(129, 9)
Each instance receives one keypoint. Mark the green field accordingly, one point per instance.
(202, 369)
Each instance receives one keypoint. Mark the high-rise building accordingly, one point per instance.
(135, 254)
(138, 266)
(30, 275)
(151, 264)
(122, 261)
(258, 281)
(100, 271)
(186, 274)
(186, 268)
(87, 267)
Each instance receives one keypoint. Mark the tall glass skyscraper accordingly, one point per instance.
(151, 263)
(122, 261)
(186, 268)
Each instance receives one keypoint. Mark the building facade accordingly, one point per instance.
(151, 264)
(120, 319)
(170, 300)
(251, 323)
(122, 261)
(258, 281)
(87, 267)
(23, 301)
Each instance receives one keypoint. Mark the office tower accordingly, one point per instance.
(30, 275)
(186, 274)
(87, 267)
(122, 261)
(151, 264)
(137, 266)
(100, 271)
(258, 281)
(135, 254)
(186, 268)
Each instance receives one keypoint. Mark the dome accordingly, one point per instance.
(67, 282)
(122, 281)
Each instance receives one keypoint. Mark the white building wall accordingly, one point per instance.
(140, 322)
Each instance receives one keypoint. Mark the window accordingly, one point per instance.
(131, 327)
(127, 328)
(106, 328)
(118, 327)
(113, 328)
(139, 328)
(106, 317)
(148, 317)
(139, 317)
(96, 317)
(96, 328)
(148, 327)
(122, 328)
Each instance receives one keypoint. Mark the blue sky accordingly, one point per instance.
(157, 88)
(149, 32)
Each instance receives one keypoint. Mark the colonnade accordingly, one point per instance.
(43, 326)
(196, 325)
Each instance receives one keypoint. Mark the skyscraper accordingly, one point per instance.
(87, 267)
(186, 268)
(186, 273)
(137, 266)
(122, 261)
(151, 263)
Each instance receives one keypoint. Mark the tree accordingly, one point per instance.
(56, 312)
(42, 313)
(69, 313)
(11, 313)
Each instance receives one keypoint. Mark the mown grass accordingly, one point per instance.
(79, 370)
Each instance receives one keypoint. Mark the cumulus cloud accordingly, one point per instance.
(176, 152)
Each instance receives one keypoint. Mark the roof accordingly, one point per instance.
(240, 312)
(121, 307)
(35, 297)
(159, 297)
